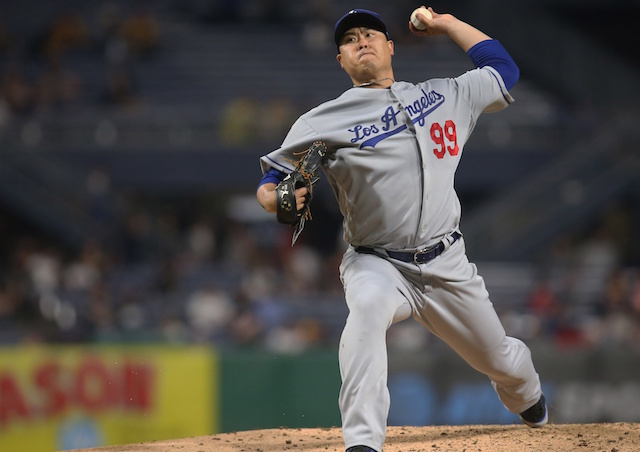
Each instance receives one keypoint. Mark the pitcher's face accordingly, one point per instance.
(365, 54)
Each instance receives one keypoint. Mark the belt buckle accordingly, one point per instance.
(421, 252)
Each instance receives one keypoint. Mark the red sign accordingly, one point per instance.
(91, 386)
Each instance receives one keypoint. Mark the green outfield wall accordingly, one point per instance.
(263, 390)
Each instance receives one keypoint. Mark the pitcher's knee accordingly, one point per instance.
(511, 360)
(374, 303)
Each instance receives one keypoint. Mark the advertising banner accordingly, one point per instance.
(66, 397)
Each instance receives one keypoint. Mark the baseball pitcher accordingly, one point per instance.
(389, 149)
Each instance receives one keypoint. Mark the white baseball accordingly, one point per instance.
(414, 20)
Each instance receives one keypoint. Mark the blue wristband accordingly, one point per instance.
(273, 175)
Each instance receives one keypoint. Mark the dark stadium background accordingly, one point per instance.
(130, 133)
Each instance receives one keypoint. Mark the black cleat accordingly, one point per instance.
(360, 449)
(537, 415)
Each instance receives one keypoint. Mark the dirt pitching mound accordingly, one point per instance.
(614, 437)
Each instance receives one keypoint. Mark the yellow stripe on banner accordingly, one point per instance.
(72, 397)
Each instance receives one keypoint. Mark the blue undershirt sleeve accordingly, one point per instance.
(491, 53)
(273, 175)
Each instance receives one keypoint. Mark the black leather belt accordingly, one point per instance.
(419, 257)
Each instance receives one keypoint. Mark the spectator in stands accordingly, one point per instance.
(239, 246)
(208, 311)
(10, 299)
(130, 314)
(168, 278)
(599, 252)
(245, 328)
(68, 31)
(34, 276)
(616, 297)
(301, 270)
(201, 241)
(141, 32)
(101, 309)
(108, 37)
(44, 266)
(238, 120)
(57, 86)
(85, 270)
(120, 88)
(137, 237)
(16, 91)
(109, 21)
(276, 117)
(543, 302)
(295, 337)
(614, 324)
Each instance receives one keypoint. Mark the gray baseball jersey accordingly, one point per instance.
(394, 153)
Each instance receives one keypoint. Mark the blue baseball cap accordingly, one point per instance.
(359, 18)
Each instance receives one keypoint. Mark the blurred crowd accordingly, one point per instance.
(181, 275)
(193, 271)
(36, 77)
(588, 295)
(40, 74)
(169, 271)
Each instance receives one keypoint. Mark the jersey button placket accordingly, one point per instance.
(411, 127)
